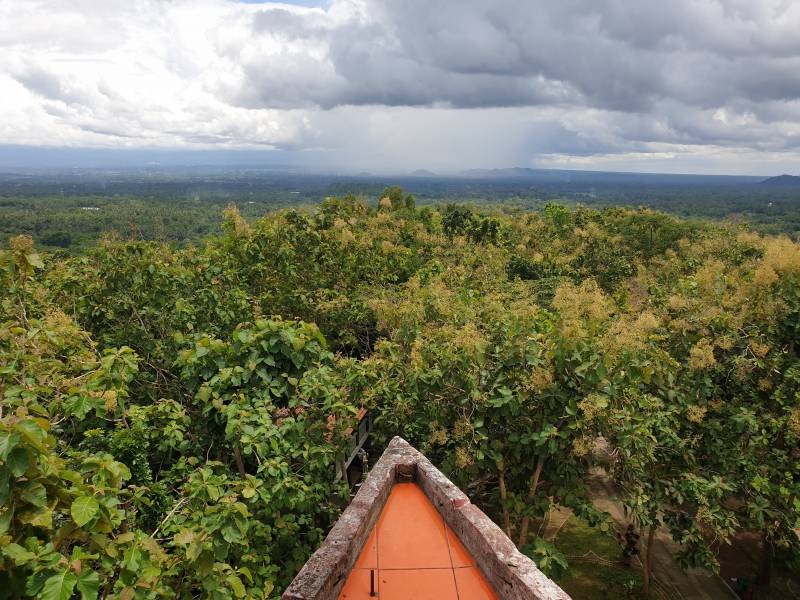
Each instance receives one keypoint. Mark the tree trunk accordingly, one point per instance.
(237, 455)
(523, 531)
(504, 504)
(647, 561)
(765, 571)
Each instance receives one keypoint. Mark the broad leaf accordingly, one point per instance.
(8, 442)
(83, 509)
(34, 493)
(18, 461)
(59, 587)
(88, 585)
(18, 554)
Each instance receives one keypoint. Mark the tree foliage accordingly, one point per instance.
(172, 418)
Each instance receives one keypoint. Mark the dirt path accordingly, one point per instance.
(555, 519)
(694, 584)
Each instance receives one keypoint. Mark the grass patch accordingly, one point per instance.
(577, 538)
(590, 580)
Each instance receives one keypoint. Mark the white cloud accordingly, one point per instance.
(109, 74)
(709, 84)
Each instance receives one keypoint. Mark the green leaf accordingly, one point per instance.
(83, 509)
(204, 393)
(34, 494)
(237, 587)
(88, 585)
(80, 405)
(193, 551)
(124, 538)
(34, 432)
(8, 442)
(132, 559)
(5, 520)
(231, 534)
(59, 587)
(18, 461)
(18, 554)
(40, 518)
(34, 260)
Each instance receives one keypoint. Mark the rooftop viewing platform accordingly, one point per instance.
(411, 534)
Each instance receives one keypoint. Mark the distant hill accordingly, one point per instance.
(783, 181)
(423, 173)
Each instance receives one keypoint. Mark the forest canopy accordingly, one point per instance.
(172, 417)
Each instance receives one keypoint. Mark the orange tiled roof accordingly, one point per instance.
(414, 554)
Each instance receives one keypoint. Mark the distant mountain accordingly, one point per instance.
(783, 181)
(423, 173)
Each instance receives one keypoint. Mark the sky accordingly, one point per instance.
(685, 86)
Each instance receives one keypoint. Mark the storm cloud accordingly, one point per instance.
(684, 85)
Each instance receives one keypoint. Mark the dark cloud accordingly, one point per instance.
(469, 53)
